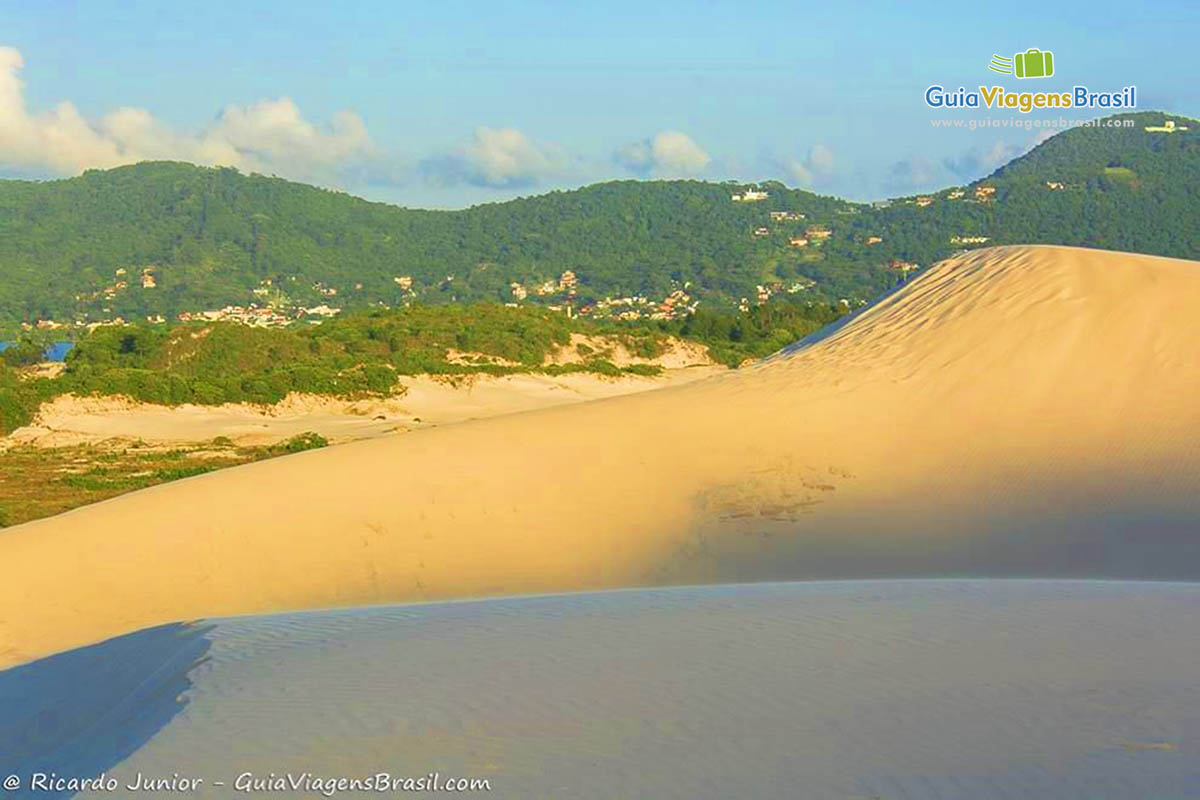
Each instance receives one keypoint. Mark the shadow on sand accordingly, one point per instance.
(51, 721)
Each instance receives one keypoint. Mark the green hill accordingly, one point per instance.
(78, 248)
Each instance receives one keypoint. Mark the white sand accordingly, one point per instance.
(1027, 410)
(924, 690)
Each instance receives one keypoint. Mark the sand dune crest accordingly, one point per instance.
(1020, 411)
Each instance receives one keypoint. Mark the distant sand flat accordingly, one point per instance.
(426, 401)
(1023, 410)
(922, 690)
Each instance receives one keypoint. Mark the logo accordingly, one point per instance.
(1033, 63)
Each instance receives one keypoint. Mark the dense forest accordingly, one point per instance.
(78, 249)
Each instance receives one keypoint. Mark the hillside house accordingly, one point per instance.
(984, 192)
(750, 196)
(762, 232)
(1052, 185)
(874, 239)
(1167, 127)
(818, 232)
(923, 201)
(797, 241)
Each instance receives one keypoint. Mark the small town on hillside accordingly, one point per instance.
(272, 309)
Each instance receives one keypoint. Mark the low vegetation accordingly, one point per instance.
(364, 354)
(39, 482)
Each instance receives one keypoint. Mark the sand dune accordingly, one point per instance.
(922, 690)
(1024, 410)
(426, 401)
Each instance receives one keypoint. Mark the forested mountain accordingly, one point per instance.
(82, 248)
(1117, 188)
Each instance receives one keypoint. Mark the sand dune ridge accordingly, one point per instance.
(1013, 411)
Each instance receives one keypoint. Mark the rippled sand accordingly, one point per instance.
(889, 689)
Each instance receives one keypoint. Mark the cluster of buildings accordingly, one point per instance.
(52, 325)
(567, 283)
(815, 234)
(679, 303)
(776, 216)
(981, 194)
(258, 316)
(252, 315)
(147, 279)
(763, 293)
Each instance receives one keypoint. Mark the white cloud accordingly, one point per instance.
(921, 173)
(817, 165)
(976, 162)
(914, 174)
(496, 157)
(635, 157)
(269, 136)
(1043, 135)
(669, 154)
(820, 159)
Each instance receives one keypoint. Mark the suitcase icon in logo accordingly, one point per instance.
(1034, 63)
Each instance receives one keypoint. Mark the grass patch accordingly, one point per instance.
(40, 482)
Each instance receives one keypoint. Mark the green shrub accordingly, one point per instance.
(301, 442)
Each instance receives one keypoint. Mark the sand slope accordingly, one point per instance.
(426, 401)
(1024, 410)
(921, 690)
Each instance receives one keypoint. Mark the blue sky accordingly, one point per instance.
(452, 103)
